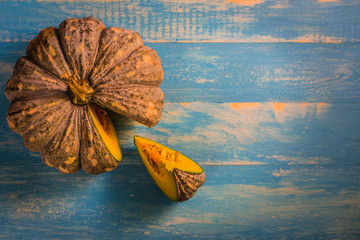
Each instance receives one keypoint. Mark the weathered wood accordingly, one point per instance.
(163, 20)
(247, 72)
(266, 202)
(235, 134)
(260, 72)
(264, 94)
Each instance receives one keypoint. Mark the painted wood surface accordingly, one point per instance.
(199, 20)
(236, 134)
(248, 72)
(249, 202)
(263, 94)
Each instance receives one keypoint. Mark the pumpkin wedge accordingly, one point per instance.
(175, 174)
(106, 130)
(71, 76)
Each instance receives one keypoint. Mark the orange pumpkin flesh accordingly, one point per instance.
(175, 174)
(106, 129)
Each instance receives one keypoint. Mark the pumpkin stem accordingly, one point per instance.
(80, 91)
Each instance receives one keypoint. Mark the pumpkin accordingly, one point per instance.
(61, 92)
(176, 175)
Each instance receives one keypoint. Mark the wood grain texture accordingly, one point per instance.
(263, 94)
(247, 72)
(201, 20)
(267, 202)
(260, 72)
(236, 134)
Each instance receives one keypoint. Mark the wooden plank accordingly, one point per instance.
(235, 134)
(264, 94)
(163, 20)
(250, 202)
(246, 72)
(260, 72)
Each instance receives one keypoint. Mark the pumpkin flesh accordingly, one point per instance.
(175, 174)
(106, 129)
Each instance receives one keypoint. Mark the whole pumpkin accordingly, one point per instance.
(60, 90)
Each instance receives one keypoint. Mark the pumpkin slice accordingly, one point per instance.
(175, 174)
(106, 130)
(95, 156)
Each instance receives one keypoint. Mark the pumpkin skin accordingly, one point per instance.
(176, 175)
(68, 70)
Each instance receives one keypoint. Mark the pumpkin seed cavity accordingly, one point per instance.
(160, 159)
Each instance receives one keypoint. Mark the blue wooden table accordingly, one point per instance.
(263, 94)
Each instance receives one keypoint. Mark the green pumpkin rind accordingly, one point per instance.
(79, 39)
(63, 150)
(141, 103)
(30, 81)
(123, 74)
(26, 115)
(187, 183)
(136, 79)
(142, 67)
(116, 44)
(44, 129)
(46, 52)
